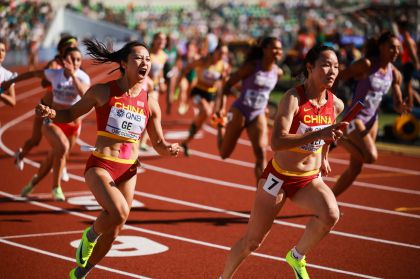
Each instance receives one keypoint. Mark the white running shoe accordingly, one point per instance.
(18, 160)
(64, 175)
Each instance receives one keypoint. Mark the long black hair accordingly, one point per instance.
(372, 45)
(100, 53)
(256, 51)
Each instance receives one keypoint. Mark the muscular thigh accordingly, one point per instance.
(316, 197)
(107, 194)
(257, 132)
(54, 135)
(234, 127)
(361, 137)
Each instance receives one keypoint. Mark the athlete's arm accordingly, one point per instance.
(399, 104)
(8, 96)
(154, 129)
(84, 105)
(80, 86)
(281, 139)
(38, 73)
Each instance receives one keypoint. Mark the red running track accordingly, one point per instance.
(195, 209)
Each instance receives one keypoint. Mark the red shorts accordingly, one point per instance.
(277, 180)
(119, 172)
(68, 129)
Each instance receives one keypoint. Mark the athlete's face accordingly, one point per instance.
(160, 41)
(2, 52)
(390, 50)
(138, 63)
(76, 59)
(274, 50)
(325, 70)
(222, 53)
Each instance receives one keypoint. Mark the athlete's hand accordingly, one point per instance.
(333, 132)
(325, 167)
(69, 68)
(44, 111)
(173, 149)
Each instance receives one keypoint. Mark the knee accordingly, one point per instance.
(62, 149)
(330, 218)
(119, 217)
(371, 157)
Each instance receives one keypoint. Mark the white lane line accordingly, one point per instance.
(244, 187)
(40, 234)
(55, 255)
(356, 183)
(171, 236)
(213, 131)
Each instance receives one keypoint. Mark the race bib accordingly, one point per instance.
(254, 99)
(273, 185)
(125, 123)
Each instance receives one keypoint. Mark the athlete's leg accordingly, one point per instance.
(60, 146)
(319, 199)
(266, 208)
(205, 109)
(361, 145)
(227, 137)
(116, 202)
(35, 138)
(257, 132)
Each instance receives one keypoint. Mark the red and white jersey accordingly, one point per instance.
(123, 117)
(311, 118)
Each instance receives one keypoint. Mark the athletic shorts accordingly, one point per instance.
(209, 97)
(289, 182)
(118, 171)
(69, 129)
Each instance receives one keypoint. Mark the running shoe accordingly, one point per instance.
(58, 194)
(72, 274)
(187, 151)
(217, 120)
(298, 266)
(65, 175)
(19, 159)
(84, 250)
(28, 187)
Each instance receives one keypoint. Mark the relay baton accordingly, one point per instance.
(353, 111)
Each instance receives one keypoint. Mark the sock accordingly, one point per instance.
(91, 235)
(296, 254)
(83, 271)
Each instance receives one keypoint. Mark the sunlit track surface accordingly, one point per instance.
(190, 211)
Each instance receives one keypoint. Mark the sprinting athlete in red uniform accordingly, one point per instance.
(304, 122)
(123, 112)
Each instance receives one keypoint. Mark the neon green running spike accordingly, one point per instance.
(298, 266)
(58, 194)
(84, 250)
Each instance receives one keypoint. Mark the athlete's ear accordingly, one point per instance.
(309, 67)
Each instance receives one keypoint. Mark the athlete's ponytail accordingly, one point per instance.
(100, 53)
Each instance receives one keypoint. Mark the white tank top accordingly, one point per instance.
(64, 92)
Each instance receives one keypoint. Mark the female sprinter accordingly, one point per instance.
(36, 136)
(375, 75)
(68, 85)
(259, 75)
(8, 97)
(303, 123)
(123, 113)
(212, 71)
